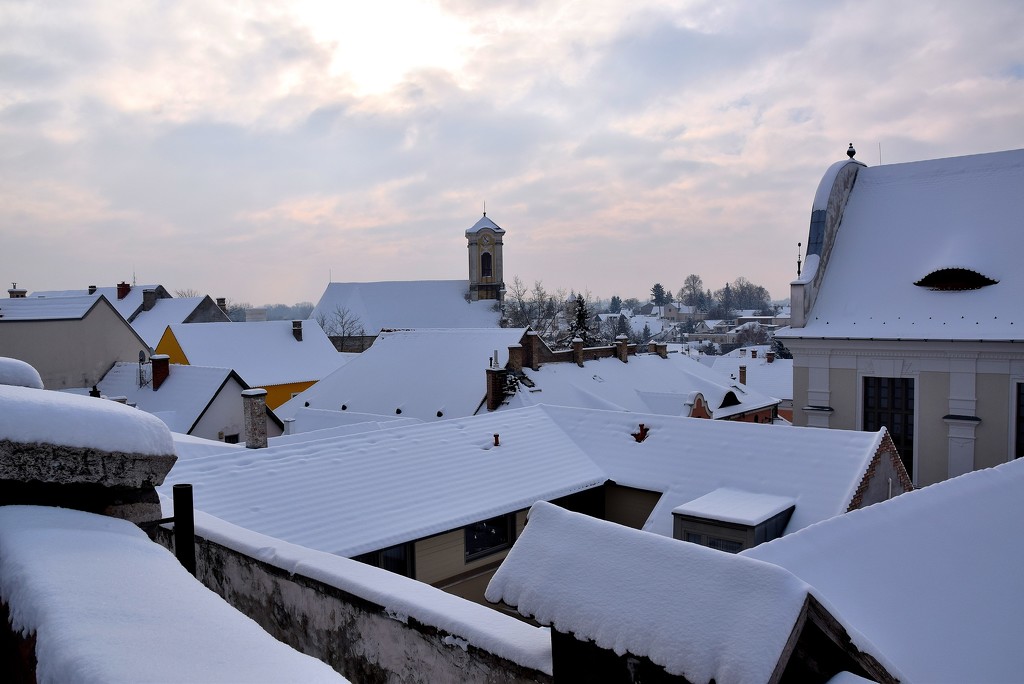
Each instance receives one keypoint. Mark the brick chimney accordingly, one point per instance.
(148, 299)
(515, 357)
(297, 330)
(577, 351)
(222, 302)
(532, 358)
(123, 289)
(254, 417)
(496, 378)
(17, 292)
(743, 375)
(753, 353)
(622, 348)
(92, 289)
(161, 369)
(769, 357)
(662, 349)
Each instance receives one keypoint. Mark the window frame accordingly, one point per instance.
(876, 417)
(504, 522)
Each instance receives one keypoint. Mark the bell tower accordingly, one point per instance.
(486, 277)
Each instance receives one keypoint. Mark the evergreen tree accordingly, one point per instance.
(658, 294)
(616, 305)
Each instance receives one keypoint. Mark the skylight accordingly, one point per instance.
(955, 279)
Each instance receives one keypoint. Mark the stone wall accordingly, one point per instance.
(355, 636)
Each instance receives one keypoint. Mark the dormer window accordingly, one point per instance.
(731, 519)
(955, 280)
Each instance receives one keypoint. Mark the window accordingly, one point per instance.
(714, 542)
(231, 439)
(488, 536)
(485, 265)
(889, 403)
(397, 559)
(1019, 449)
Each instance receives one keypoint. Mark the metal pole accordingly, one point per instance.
(184, 527)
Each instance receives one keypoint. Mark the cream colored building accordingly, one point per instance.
(908, 311)
(71, 341)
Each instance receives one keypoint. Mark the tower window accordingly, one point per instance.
(485, 265)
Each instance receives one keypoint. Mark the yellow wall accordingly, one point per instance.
(168, 344)
(278, 394)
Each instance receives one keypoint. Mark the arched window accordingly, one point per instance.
(485, 265)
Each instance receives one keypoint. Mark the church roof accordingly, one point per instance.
(485, 222)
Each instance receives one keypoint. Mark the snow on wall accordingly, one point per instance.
(19, 373)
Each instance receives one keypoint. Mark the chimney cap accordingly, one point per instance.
(255, 392)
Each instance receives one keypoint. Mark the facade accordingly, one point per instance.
(486, 272)
(907, 312)
(71, 341)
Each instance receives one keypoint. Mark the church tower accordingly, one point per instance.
(486, 277)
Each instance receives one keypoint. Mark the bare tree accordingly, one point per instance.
(340, 325)
(188, 292)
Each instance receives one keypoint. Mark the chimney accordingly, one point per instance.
(254, 417)
(753, 353)
(17, 292)
(148, 299)
(496, 378)
(161, 369)
(622, 348)
(515, 358)
(533, 350)
(662, 349)
(297, 330)
(743, 375)
(95, 392)
(743, 352)
(92, 289)
(123, 289)
(577, 351)
(497, 439)
(769, 357)
(222, 302)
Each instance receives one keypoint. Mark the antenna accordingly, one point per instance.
(485, 207)
(798, 246)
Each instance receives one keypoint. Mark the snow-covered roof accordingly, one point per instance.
(17, 372)
(45, 309)
(150, 325)
(127, 306)
(929, 577)
(182, 398)
(687, 458)
(264, 353)
(655, 324)
(407, 304)
(106, 604)
(904, 222)
(362, 492)
(45, 416)
(646, 384)
(413, 374)
(485, 222)
(327, 422)
(697, 612)
(349, 494)
(736, 506)
(774, 379)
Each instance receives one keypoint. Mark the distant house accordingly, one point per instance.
(151, 308)
(908, 310)
(71, 341)
(282, 357)
(442, 502)
(353, 314)
(191, 400)
(626, 607)
(760, 369)
(428, 374)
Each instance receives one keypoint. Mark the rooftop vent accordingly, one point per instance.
(955, 279)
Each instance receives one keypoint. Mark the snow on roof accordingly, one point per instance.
(407, 304)
(655, 324)
(736, 506)
(45, 416)
(774, 379)
(127, 307)
(150, 325)
(182, 398)
(687, 458)
(106, 604)
(264, 353)
(484, 222)
(903, 222)
(49, 309)
(401, 597)
(929, 577)
(697, 612)
(414, 374)
(646, 384)
(364, 492)
(306, 420)
(18, 373)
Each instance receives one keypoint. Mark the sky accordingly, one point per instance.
(259, 150)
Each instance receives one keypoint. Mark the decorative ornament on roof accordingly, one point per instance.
(850, 151)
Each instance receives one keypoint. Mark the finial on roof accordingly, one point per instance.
(850, 152)
(798, 245)
(485, 207)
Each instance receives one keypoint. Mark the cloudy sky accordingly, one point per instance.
(255, 150)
